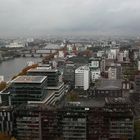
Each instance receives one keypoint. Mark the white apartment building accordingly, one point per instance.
(82, 77)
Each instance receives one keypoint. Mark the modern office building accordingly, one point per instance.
(59, 91)
(28, 88)
(55, 88)
(52, 75)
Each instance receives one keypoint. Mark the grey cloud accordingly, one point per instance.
(29, 17)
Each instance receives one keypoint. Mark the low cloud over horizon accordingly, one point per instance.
(83, 17)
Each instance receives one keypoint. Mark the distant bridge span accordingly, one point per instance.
(37, 52)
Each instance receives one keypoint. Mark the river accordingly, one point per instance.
(12, 67)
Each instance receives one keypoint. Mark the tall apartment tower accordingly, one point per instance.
(82, 79)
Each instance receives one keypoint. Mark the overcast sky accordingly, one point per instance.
(42, 17)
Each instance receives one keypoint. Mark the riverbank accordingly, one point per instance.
(11, 67)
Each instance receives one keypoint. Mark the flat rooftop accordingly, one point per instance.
(86, 102)
(107, 84)
(119, 100)
(42, 70)
(29, 79)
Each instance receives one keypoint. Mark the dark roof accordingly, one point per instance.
(119, 100)
(86, 102)
(107, 84)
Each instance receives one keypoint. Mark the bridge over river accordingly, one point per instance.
(37, 52)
